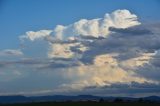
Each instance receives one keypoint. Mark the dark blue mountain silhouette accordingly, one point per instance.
(14, 99)
(63, 98)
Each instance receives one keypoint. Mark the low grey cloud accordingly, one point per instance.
(138, 30)
(118, 89)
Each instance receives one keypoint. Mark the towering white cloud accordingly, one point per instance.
(97, 27)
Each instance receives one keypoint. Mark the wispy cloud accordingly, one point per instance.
(11, 52)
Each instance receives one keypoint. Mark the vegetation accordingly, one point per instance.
(101, 102)
(89, 100)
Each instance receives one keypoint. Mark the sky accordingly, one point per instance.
(98, 47)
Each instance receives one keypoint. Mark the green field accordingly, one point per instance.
(84, 104)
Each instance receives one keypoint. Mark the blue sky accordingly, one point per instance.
(19, 16)
(98, 47)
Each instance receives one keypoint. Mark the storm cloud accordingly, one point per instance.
(115, 53)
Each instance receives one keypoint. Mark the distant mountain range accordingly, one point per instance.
(62, 98)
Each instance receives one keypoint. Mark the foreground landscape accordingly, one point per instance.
(85, 103)
(77, 100)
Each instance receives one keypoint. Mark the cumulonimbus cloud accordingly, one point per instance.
(99, 52)
(97, 27)
(94, 27)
